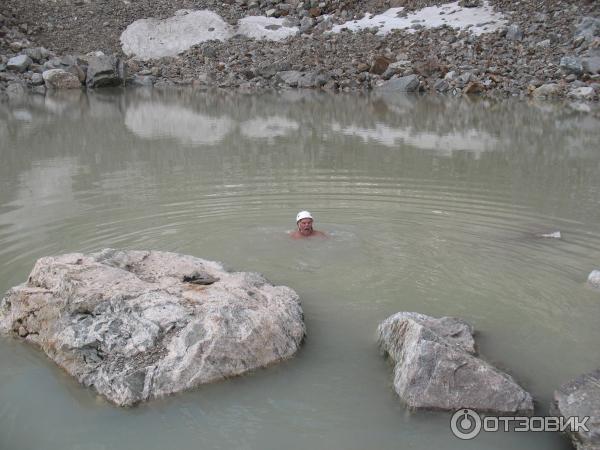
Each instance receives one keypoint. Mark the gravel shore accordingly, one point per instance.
(547, 49)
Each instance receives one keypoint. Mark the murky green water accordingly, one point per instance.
(432, 205)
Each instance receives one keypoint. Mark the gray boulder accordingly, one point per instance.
(137, 325)
(60, 79)
(409, 83)
(103, 71)
(580, 398)
(19, 63)
(435, 367)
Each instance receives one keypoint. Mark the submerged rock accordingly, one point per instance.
(436, 367)
(127, 324)
(594, 278)
(580, 398)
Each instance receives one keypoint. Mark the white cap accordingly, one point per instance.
(303, 215)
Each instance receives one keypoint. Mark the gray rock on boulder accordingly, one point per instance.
(435, 367)
(19, 63)
(60, 79)
(137, 325)
(580, 398)
(103, 71)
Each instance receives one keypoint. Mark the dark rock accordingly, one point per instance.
(103, 71)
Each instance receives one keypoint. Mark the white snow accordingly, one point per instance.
(478, 20)
(261, 27)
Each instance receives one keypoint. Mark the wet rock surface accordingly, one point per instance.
(558, 46)
(127, 324)
(436, 367)
(580, 398)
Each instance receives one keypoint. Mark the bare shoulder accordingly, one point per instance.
(320, 234)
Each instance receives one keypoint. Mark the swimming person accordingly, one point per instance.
(304, 222)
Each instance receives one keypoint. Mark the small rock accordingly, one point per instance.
(594, 278)
(547, 90)
(582, 93)
(441, 86)
(543, 44)
(19, 63)
(380, 64)
(473, 88)
(553, 235)
(37, 79)
(314, 12)
(102, 71)
(60, 79)
(409, 83)
(37, 54)
(514, 33)
(571, 64)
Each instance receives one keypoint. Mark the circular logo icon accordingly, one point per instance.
(465, 424)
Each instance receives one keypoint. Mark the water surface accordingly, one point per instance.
(432, 205)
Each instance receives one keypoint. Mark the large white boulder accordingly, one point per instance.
(136, 325)
(155, 38)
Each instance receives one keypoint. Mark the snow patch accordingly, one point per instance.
(477, 20)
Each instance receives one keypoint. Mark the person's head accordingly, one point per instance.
(304, 221)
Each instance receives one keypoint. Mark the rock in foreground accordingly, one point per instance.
(580, 398)
(127, 324)
(436, 367)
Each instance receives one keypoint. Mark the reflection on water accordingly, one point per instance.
(431, 205)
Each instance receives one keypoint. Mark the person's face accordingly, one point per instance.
(305, 226)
